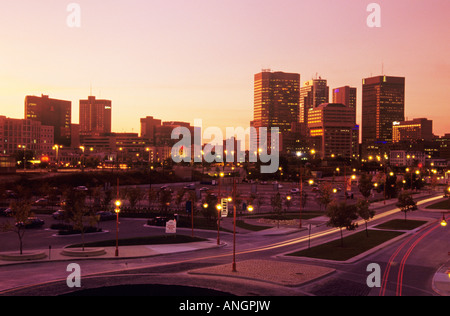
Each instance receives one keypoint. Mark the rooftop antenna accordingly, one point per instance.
(90, 90)
(382, 68)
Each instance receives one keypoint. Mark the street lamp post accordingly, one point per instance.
(24, 157)
(82, 158)
(299, 154)
(443, 221)
(219, 209)
(117, 211)
(234, 226)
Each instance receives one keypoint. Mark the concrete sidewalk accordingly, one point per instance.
(102, 253)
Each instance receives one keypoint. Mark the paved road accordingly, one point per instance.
(171, 269)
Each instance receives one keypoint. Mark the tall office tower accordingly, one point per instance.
(95, 116)
(312, 94)
(383, 102)
(345, 95)
(331, 130)
(51, 112)
(276, 100)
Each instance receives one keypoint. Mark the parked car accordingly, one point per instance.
(190, 187)
(9, 194)
(81, 188)
(59, 214)
(105, 216)
(31, 222)
(158, 221)
(41, 202)
(204, 189)
(295, 190)
(7, 212)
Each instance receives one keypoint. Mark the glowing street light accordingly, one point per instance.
(443, 221)
(118, 204)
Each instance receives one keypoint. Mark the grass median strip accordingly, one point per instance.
(401, 224)
(354, 245)
(138, 241)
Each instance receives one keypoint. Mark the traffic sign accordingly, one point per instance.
(171, 227)
(224, 211)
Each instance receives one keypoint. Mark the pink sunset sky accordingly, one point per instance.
(195, 59)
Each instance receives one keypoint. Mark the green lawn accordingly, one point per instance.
(354, 245)
(152, 240)
(255, 228)
(442, 205)
(401, 224)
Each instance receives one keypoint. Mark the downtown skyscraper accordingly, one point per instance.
(312, 94)
(383, 103)
(95, 116)
(276, 101)
(51, 112)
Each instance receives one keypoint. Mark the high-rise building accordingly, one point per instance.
(51, 112)
(95, 116)
(314, 93)
(331, 127)
(345, 95)
(383, 102)
(412, 131)
(276, 101)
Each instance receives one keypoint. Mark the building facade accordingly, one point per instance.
(345, 95)
(412, 131)
(19, 134)
(276, 102)
(313, 93)
(383, 102)
(95, 116)
(331, 132)
(51, 112)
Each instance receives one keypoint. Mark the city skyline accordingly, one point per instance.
(182, 61)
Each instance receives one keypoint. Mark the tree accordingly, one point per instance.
(180, 197)
(259, 201)
(76, 211)
(134, 196)
(152, 196)
(210, 212)
(277, 205)
(406, 202)
(364, 211)
(21, 212)
(341, 216)
(165, 197)
(325, 195)
(365, 185)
